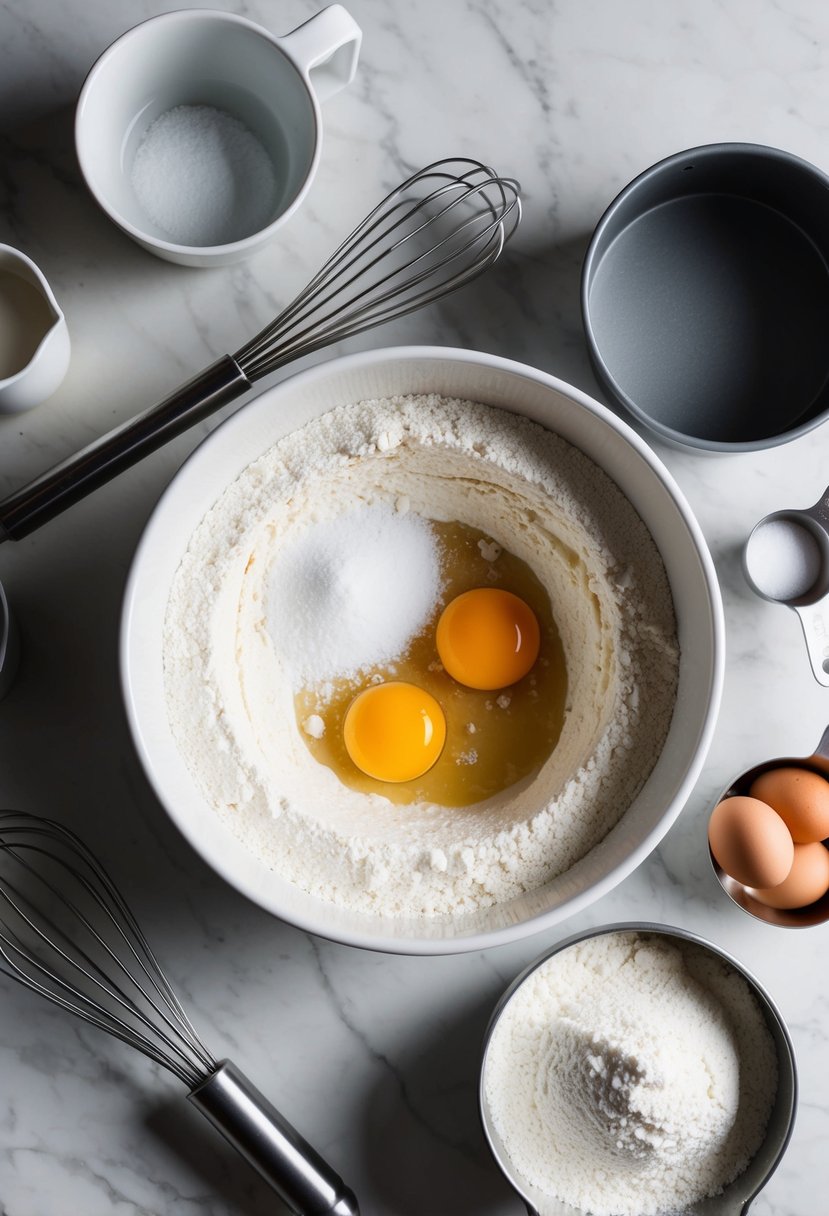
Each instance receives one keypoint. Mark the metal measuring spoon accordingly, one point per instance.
(786, 561)
(738, 1196)
(788, 918)
(9, 645)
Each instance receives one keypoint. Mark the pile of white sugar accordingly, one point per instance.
(783, 559)
(203, 177)
(352, 591)
(631, 1074)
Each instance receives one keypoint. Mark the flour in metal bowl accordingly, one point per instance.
(631, 1075)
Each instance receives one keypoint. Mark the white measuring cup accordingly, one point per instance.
(206, 58)
(786, 561)
(737, 1197)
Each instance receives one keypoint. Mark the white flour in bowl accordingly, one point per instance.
(631, 1074)
(230, 686)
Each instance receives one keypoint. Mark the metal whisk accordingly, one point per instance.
(437, 231)
(66, 932)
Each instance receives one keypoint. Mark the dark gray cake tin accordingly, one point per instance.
(705, 298)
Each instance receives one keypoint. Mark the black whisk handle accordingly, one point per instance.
(295, 1170)
(66, 483)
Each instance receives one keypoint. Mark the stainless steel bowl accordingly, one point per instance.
(736, 1199)
(786, 918)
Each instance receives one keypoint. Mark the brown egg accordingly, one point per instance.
(801, 799)
(750, 841)
(808, 879)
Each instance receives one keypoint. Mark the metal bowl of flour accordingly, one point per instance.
(737, 1197)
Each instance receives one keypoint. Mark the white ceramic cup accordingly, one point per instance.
(43, 372)
(201, 57)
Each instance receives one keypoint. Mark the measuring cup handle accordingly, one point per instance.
(820, 511)
(326, 49)
(815, 621)
(822, 748)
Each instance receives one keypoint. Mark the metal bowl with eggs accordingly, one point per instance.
(768, 836)
(503, 386)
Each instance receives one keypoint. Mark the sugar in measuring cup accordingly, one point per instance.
(199, 132)
(786, 561)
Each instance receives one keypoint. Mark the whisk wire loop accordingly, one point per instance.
(385, 211)
(80, 1008)
(412, 249)
(24, 962)
(67, 934)
(96, 962)
(364, 306)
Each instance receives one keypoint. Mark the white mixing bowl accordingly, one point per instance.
(469, 375)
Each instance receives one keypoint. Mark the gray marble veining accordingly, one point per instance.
(373, 1057)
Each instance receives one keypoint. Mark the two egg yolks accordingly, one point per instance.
(424, 727)
(487, 639)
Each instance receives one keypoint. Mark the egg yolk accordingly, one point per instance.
(488, 638)
(394, 731)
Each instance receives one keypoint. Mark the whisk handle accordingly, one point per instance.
(66, 483)
(257, 1130)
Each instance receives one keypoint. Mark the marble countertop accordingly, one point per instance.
(374, 1057)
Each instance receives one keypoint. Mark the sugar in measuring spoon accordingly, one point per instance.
(786, 561)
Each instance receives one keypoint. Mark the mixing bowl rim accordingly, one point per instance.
(481, 939)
